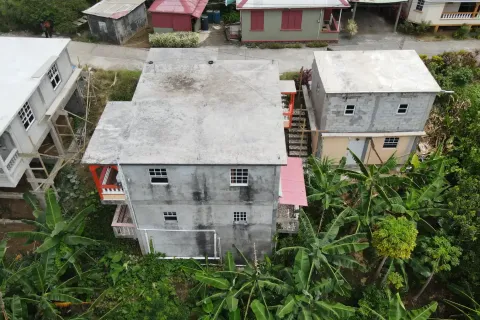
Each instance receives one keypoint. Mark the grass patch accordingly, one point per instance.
(317, 44)
(291, 75)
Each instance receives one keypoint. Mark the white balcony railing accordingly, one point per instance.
(458, 15)
(12, 160)
(122, 223)
(110, 186)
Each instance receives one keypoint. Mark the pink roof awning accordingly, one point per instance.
(192, 7)
(293, 183)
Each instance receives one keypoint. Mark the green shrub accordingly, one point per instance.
(409, 27)
(231, 17)
(174, 40)
(125, 86)
(293, 46)
(352, 27)
(317, 44)
(271, 45)
(462, 32)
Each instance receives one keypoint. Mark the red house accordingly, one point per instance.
(176, 15)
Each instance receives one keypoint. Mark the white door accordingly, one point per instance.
(356, 145)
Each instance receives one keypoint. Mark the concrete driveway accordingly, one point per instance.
(117, 57)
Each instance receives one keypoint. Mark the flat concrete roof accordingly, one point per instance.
(289, 4)
(182, 55)
(114, 9)
(24, 62)
(380, 71)
(228, 112)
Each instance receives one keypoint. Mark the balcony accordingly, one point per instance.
(122, 223)
(459, 15)
(331, 25)
(288, 91)
(109, 184)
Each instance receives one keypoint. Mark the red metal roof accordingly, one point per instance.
(293, 183)
(192, 7)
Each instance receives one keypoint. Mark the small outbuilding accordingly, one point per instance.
(117, 21)
(176, 15)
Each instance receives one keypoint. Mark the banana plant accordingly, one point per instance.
(326, 186)
(397, 311)
(55, 232)
(232, 287)
(328, 253)
(371, 183)
(41, 287)
(471, 310)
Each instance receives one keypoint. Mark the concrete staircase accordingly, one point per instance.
(296, 146)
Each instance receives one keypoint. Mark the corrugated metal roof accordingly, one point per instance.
(293, 183)
(114, 9)
(291, 4)
(192, 7)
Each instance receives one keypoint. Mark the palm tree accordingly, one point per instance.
(329, 254)
(397, 311)
(325, 185)
(371, 182)
(56, 233)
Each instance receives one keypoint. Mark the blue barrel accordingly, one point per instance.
(204, 22)
(210, 16)
(216, 16)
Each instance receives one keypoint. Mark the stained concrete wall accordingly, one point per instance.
(204, 200)
(312, 21)
(27, 141)
(118, 30)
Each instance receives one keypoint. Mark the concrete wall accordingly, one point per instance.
(312, 21)
(170, 22)
(129, 25)
(432, 12)
(103, 28)
(204, 200)
(28, 141)
(336, 147)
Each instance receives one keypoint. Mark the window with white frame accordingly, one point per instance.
(158, 176)
(54, 76)
(26, 116)
(390, 142)
(349, 109)
(170, 216)
(402, 109)
(239, 177)
(239, 216)
(420, 4)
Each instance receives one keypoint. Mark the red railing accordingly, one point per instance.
(287, 116)
(107, 184)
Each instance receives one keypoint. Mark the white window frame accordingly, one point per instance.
(420, 4)
(401, 108)
(52, 76)
(158, 173)
(27, 117)
(240, 216)
(238, 177)
(391, 142)
(172, 214)
(347, 109)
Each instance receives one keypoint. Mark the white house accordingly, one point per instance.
(37, 81)
(444, 13)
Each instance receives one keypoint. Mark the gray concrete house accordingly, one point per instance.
(375, 103)
(290, 20)
(38, 82)
(194, 161)
(117, 21)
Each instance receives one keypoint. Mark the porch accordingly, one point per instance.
(109, 184)
(460, 11)
(331, 21)
(9, 156)
(122, 223)
(288, 91)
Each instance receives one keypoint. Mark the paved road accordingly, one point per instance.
(117, 57)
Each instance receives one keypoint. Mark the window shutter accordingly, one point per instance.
(297, 19)
(285, 18)
(257, 20)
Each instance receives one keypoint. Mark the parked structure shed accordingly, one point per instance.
(117, 20)
(177, 15)
(287, 20)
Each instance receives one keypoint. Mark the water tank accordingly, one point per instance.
(210, 16)
(216, 16)
(204, 22)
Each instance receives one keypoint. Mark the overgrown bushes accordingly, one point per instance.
(461, 33)
(231, 17)
(409, 27)
(174, 40)
(317, 44)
